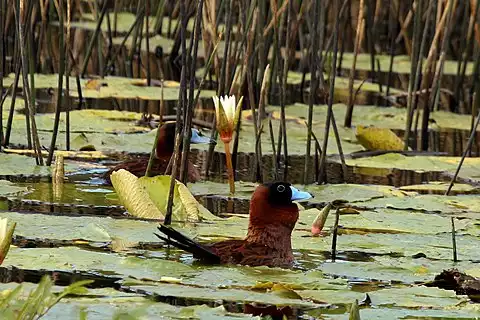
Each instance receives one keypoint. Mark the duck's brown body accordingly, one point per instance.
(264, 247)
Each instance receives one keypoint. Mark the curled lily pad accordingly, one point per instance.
(147, 197)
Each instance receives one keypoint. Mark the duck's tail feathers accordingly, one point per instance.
(177, 239)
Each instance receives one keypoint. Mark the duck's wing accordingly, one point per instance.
(177, 239)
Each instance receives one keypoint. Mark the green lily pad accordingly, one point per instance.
(439, 187)
(71, 258)
(80, 228)
(106, 303)
(401, 63)
(349, 192)
(8, 188)
(431, 203)
(109, 87)
(13, 164)
(406, 313)
(212, 294)
(416, 297)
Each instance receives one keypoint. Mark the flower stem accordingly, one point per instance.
(231, 180)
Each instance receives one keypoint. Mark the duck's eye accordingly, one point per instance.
(281, 188)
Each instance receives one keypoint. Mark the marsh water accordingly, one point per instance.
(394, 231)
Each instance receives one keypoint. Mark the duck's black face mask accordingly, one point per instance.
(283, 193)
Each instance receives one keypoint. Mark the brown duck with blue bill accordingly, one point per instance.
(273, 216)
(163, 153)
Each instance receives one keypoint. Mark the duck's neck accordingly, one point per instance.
(162, 155)
(163, 151)
(275, 236)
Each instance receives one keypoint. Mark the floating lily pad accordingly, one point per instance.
(110, 87)
(401, 63)
(429, 203)
(387, 163)
(459, 312)
(106, 303)
(71, 258)
(93, 229)
(212, 294)
(20, 165)
(8, 188)
(439, 187)
(350, 192)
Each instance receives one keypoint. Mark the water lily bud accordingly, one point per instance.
(319, 221)
(227, 114)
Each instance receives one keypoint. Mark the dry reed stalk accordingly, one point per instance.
(8, 129)
(148, 172)
(434, 44)
(314, 86)
(92, 40)
(277, 12)
(190, 104)
(67, 75)
(477, 27)
(415, 57)
(61, 72)
(454, 240)
(147, 41)
(2, 65)
(437, 79)
(335, 236)
(261, 110)
(358, 35)
(469, 143)
(180, 109)
(404, 24)
(20, 16)
(210, 37)
(468, 50)
(330, 115)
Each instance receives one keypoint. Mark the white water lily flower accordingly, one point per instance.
(227, 113)
(5, 237)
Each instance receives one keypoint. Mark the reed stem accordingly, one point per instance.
(334, 236)
(148, 172)
(61, 71)
(469, 143)
(92, 40)
(454, 240)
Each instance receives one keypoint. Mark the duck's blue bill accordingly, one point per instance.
(197, 138)
(300, 195)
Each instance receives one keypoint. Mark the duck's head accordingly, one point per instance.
(273, 203)
(166, 140)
